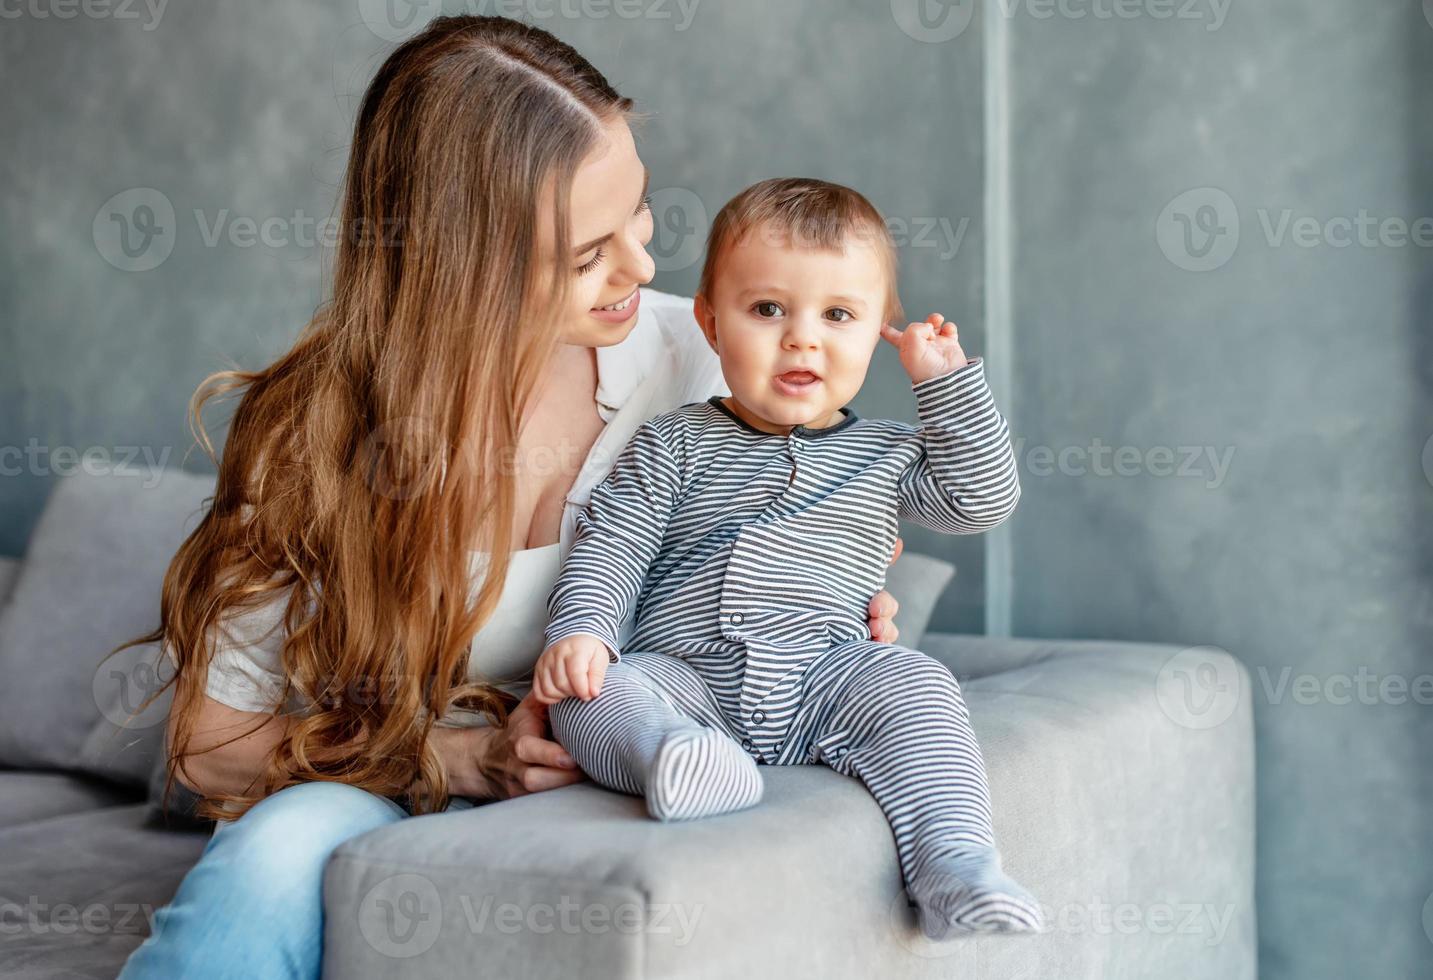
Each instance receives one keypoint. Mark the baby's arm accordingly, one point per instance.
(965, 481)
(618, 537)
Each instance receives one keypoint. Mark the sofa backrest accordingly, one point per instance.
(90, 580)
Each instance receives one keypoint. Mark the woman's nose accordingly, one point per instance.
(633, 264)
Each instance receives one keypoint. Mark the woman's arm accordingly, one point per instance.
(482, 762)
(212, 768)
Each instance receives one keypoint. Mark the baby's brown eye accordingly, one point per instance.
(839, 315)
(767, 309)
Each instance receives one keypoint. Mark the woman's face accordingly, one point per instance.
(611, 226)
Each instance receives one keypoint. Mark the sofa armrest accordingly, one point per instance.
(1135, 833)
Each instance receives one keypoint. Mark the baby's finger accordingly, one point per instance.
(577, 674)
(596, 673)
(552, 690)
(539, 687)
(559, 675)
(891, 334)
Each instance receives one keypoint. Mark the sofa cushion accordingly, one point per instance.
(125, 743)
(1134, 832)
(27, 795)
(107, 870)
(90, 581)
(9, 569)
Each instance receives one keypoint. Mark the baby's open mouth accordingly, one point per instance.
(795, 383)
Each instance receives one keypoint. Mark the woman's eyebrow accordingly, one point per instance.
(646, 183)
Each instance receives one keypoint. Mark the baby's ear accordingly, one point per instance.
(706, 319)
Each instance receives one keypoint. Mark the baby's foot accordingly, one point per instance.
(966, 891)
(700, 772)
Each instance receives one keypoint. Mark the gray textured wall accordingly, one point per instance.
(1299, 538)
(243, 112)
(1306, 366)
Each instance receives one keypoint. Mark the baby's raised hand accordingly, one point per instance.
(928, 350)
(573, 667)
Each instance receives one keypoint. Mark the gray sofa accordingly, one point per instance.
(1131, 820)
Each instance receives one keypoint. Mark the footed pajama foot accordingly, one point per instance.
(700, 772)
(967, 892)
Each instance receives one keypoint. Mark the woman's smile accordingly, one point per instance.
(621, 311)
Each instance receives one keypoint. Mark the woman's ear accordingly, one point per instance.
(706, 319)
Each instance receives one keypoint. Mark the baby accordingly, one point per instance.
(748, 533)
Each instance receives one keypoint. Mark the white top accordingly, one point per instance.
(663, 364)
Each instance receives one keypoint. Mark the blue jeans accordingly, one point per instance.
(253, 904)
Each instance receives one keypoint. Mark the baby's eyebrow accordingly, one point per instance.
(762, 291)
(781, 292)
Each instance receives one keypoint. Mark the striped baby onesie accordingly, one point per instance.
(748, 560)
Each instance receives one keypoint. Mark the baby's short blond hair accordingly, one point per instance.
(808, 213)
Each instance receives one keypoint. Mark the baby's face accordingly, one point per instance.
(778, 308)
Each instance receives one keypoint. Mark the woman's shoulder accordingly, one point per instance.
(245, 669)
(677, 348)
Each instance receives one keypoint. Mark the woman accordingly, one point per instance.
(396, 491)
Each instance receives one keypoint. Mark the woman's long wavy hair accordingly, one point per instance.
(364, 466)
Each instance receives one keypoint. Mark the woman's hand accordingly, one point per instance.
(489, 763)
(883, 608)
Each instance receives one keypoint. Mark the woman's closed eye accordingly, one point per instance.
(592, 263)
